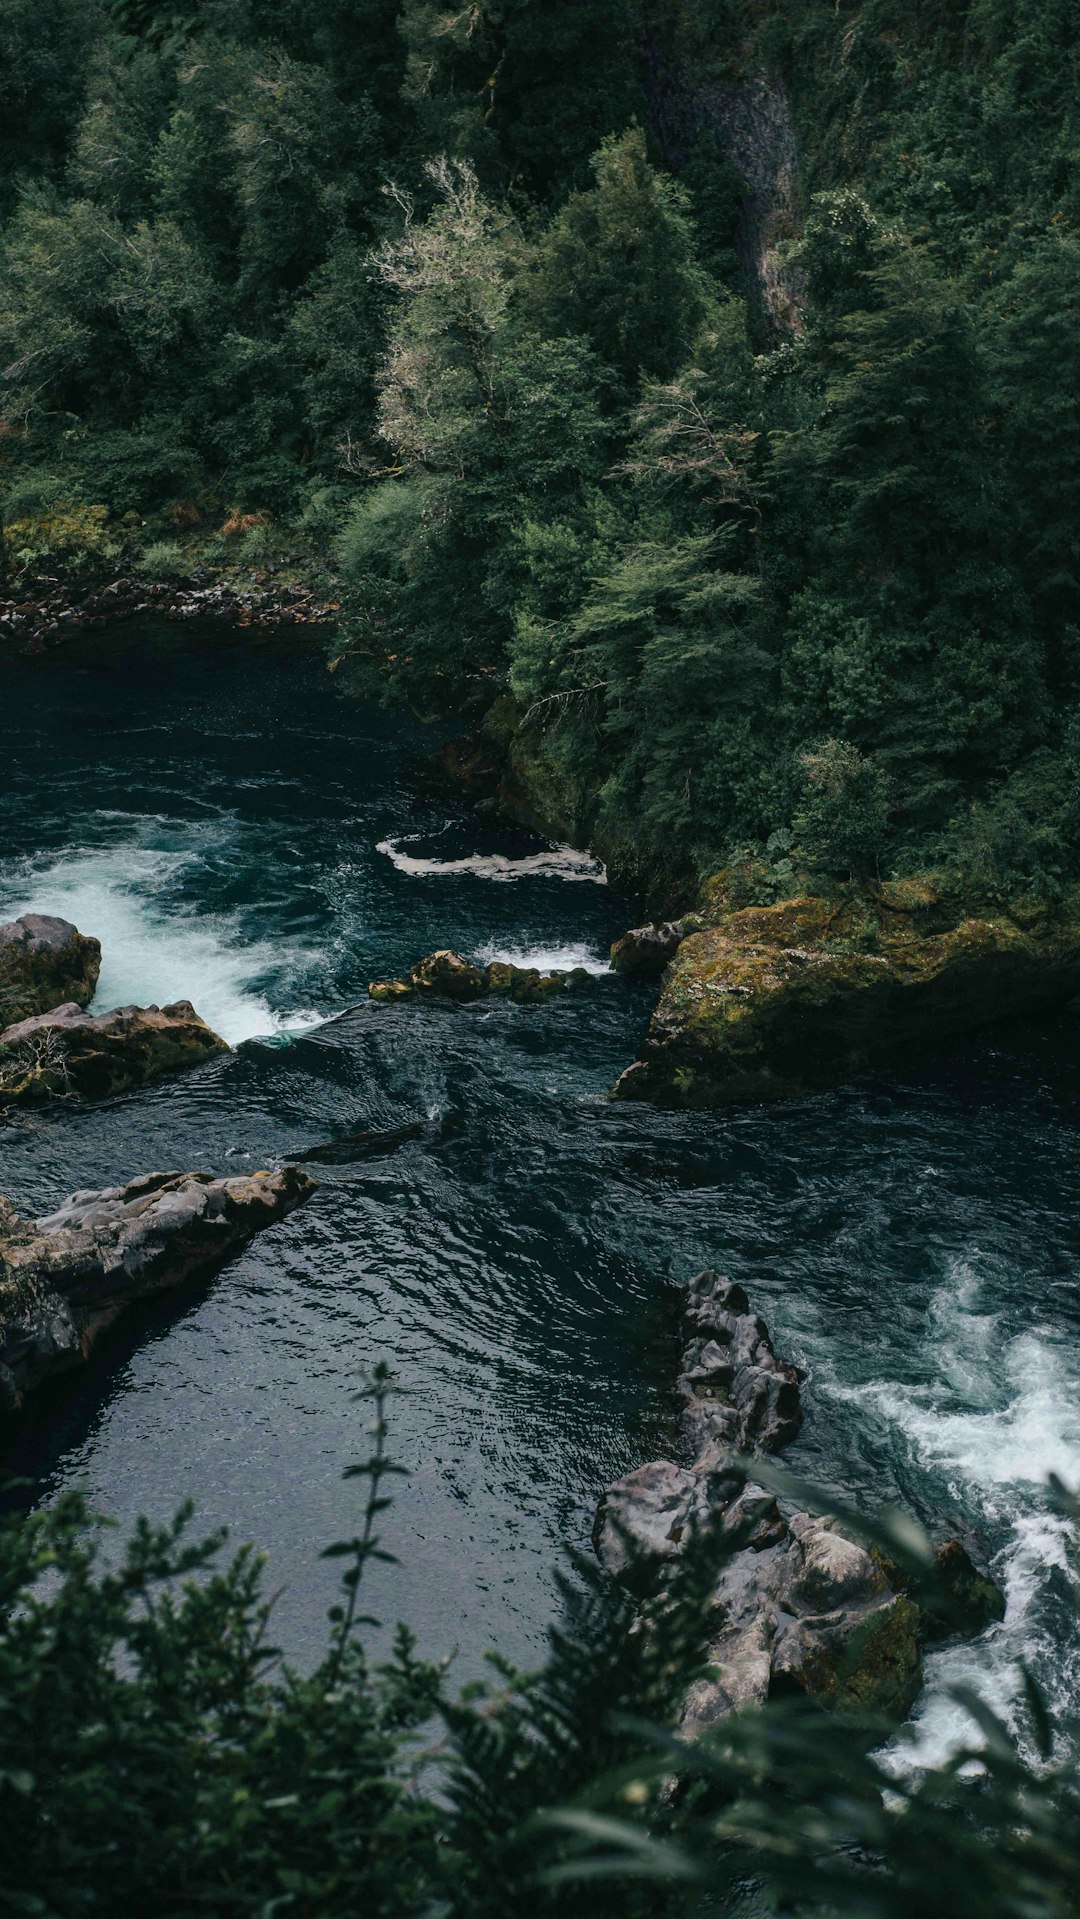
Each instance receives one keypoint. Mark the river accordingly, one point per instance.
(238, 834)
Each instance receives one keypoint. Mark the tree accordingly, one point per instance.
(842, 825)
(618, 267)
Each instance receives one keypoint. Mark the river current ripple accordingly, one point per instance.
(237, 834)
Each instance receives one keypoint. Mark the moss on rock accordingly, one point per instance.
(772, 1001)
(44, 962)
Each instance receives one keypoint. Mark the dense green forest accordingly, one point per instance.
(689, 386)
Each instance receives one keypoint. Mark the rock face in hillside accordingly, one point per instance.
(772, 1001)
(69, 1051)
(44, 961)
(64, 1278)
(446, 976)
(800, 1607)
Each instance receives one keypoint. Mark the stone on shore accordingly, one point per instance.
(774, 1001)
(69, 1051)
(66, 1277)
(43, 962)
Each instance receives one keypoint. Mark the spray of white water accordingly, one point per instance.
(1002, 1415)
(555, 863)
(154, 950)
(546, 959)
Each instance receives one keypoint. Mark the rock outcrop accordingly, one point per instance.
(773, 1001)
(446, 976)
(63, 1279)
(644, 951)
(44, 960)
(69, 1051)
(800, 1607)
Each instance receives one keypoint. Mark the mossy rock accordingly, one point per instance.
(879, 1669)
(96, 1055)
(45, 962)
(774, 1001)
(445, 975)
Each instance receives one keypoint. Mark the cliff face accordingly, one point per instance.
(773, 1001)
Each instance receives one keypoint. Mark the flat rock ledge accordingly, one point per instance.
(43, 961)
(96, 1054)
(770, 1002)
(800, 1608)
(65, 1278)
(445, 975)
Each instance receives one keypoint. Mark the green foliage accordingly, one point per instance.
(76, 538)
(157, 1756)
(489, 285)
(842, 823)
(617, 266)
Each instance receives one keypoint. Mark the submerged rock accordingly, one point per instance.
(69, 1051)
(773, 1001)
(445, 975)
(799, 1606)
(44, 961)
(66, 1277)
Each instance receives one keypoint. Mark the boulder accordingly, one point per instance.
(735, 1392)
(800, 1607)
(644, 951)
(44, 961)
(774, 1001)
(66, 1277)
(69, 1051)
(445, 975)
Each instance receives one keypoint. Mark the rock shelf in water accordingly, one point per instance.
(801, 1607)
(768, 1002)
(65, 1278)
(445, 975)
(43, 961)
(96, 1054)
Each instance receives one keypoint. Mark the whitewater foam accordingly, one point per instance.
(994, 1456)
(554, 863)
(155, 950)
(546, 959)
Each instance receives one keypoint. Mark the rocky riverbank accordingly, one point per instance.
(65, 1278)
(51, 609)
(800, 1607)
(53, 1049)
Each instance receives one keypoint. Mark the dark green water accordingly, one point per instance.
(236, 834)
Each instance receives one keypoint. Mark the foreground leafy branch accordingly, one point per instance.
(157, 1756)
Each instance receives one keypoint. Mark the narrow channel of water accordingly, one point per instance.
(237, 834)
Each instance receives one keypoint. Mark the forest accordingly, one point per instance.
(681, 391)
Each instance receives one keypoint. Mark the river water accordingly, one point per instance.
(237, 834)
